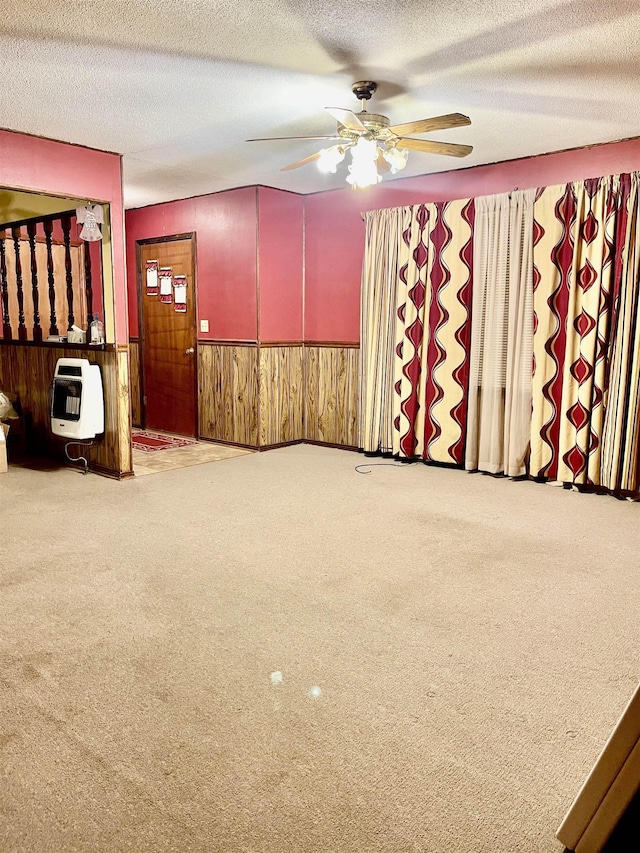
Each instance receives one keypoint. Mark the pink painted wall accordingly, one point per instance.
(42, 165)
(280, 245)
(334, 231)
(225, 224)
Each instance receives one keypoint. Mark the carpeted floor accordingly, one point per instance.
(281, 654)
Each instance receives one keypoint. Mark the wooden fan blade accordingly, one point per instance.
(431, 147)
(299, 163)
(279, 138)
(426, 124)
(381, 163)
(346, 117)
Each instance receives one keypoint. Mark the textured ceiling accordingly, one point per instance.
(176, 86)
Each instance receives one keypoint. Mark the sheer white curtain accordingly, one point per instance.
(383, 247)
(499, 402)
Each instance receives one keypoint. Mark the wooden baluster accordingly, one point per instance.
(66, 232)
(88, 284)
(53, 320)
(37, 329)
(6, 319)
(22, 329)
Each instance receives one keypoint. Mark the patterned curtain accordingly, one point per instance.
(573, 258)
(586, 402)
(419, 260)
(583, 411)
(499, 412)
(621, 433)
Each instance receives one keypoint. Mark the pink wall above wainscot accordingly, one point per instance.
(226, 241)
(46, 166)
(280, 244)
(235, 226)
(334, 231)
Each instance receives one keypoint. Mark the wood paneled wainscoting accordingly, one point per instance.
(228, 392)
(332, 393)
(134, 382)
(269, 394)
(251, 394)
(27, 369)
(281, 407)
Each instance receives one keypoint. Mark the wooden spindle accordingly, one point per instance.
(37, 329)
(88, 284)
(6, 319)
(48, 236)
(66, 234)
(22, 329)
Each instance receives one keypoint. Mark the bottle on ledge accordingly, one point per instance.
(96, 331)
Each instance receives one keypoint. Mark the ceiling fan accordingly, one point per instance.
(375, 144)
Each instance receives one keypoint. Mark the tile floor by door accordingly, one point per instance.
(182, 457)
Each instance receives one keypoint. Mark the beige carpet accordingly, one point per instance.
(276, 653)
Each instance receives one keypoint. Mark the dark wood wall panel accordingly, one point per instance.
(281, 394)
(28, 371)
(228, 389)
(332, 394)
(353, 420)
(311, 387)
(136, 391)
(123, 414)
(272, 394)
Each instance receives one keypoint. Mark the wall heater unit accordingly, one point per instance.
(77, 404)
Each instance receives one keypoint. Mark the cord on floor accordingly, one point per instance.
(78, 458)
(374, 464)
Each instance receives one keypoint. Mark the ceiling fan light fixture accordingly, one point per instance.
(362, 171)
(396, 158)
(330, 158)
(377, 146)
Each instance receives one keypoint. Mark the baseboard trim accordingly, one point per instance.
(228, 443)
(108, 472)
(282, 444)
(278, 444)
(335, 446)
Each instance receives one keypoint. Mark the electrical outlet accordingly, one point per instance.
(204, 325)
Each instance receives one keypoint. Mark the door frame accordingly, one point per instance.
(191, 236)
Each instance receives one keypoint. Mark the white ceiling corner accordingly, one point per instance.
(177, 86)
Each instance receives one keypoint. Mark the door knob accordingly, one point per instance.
(189, 351)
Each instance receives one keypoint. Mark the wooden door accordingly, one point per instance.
(168, 341)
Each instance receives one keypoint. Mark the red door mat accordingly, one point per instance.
(152, 441)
